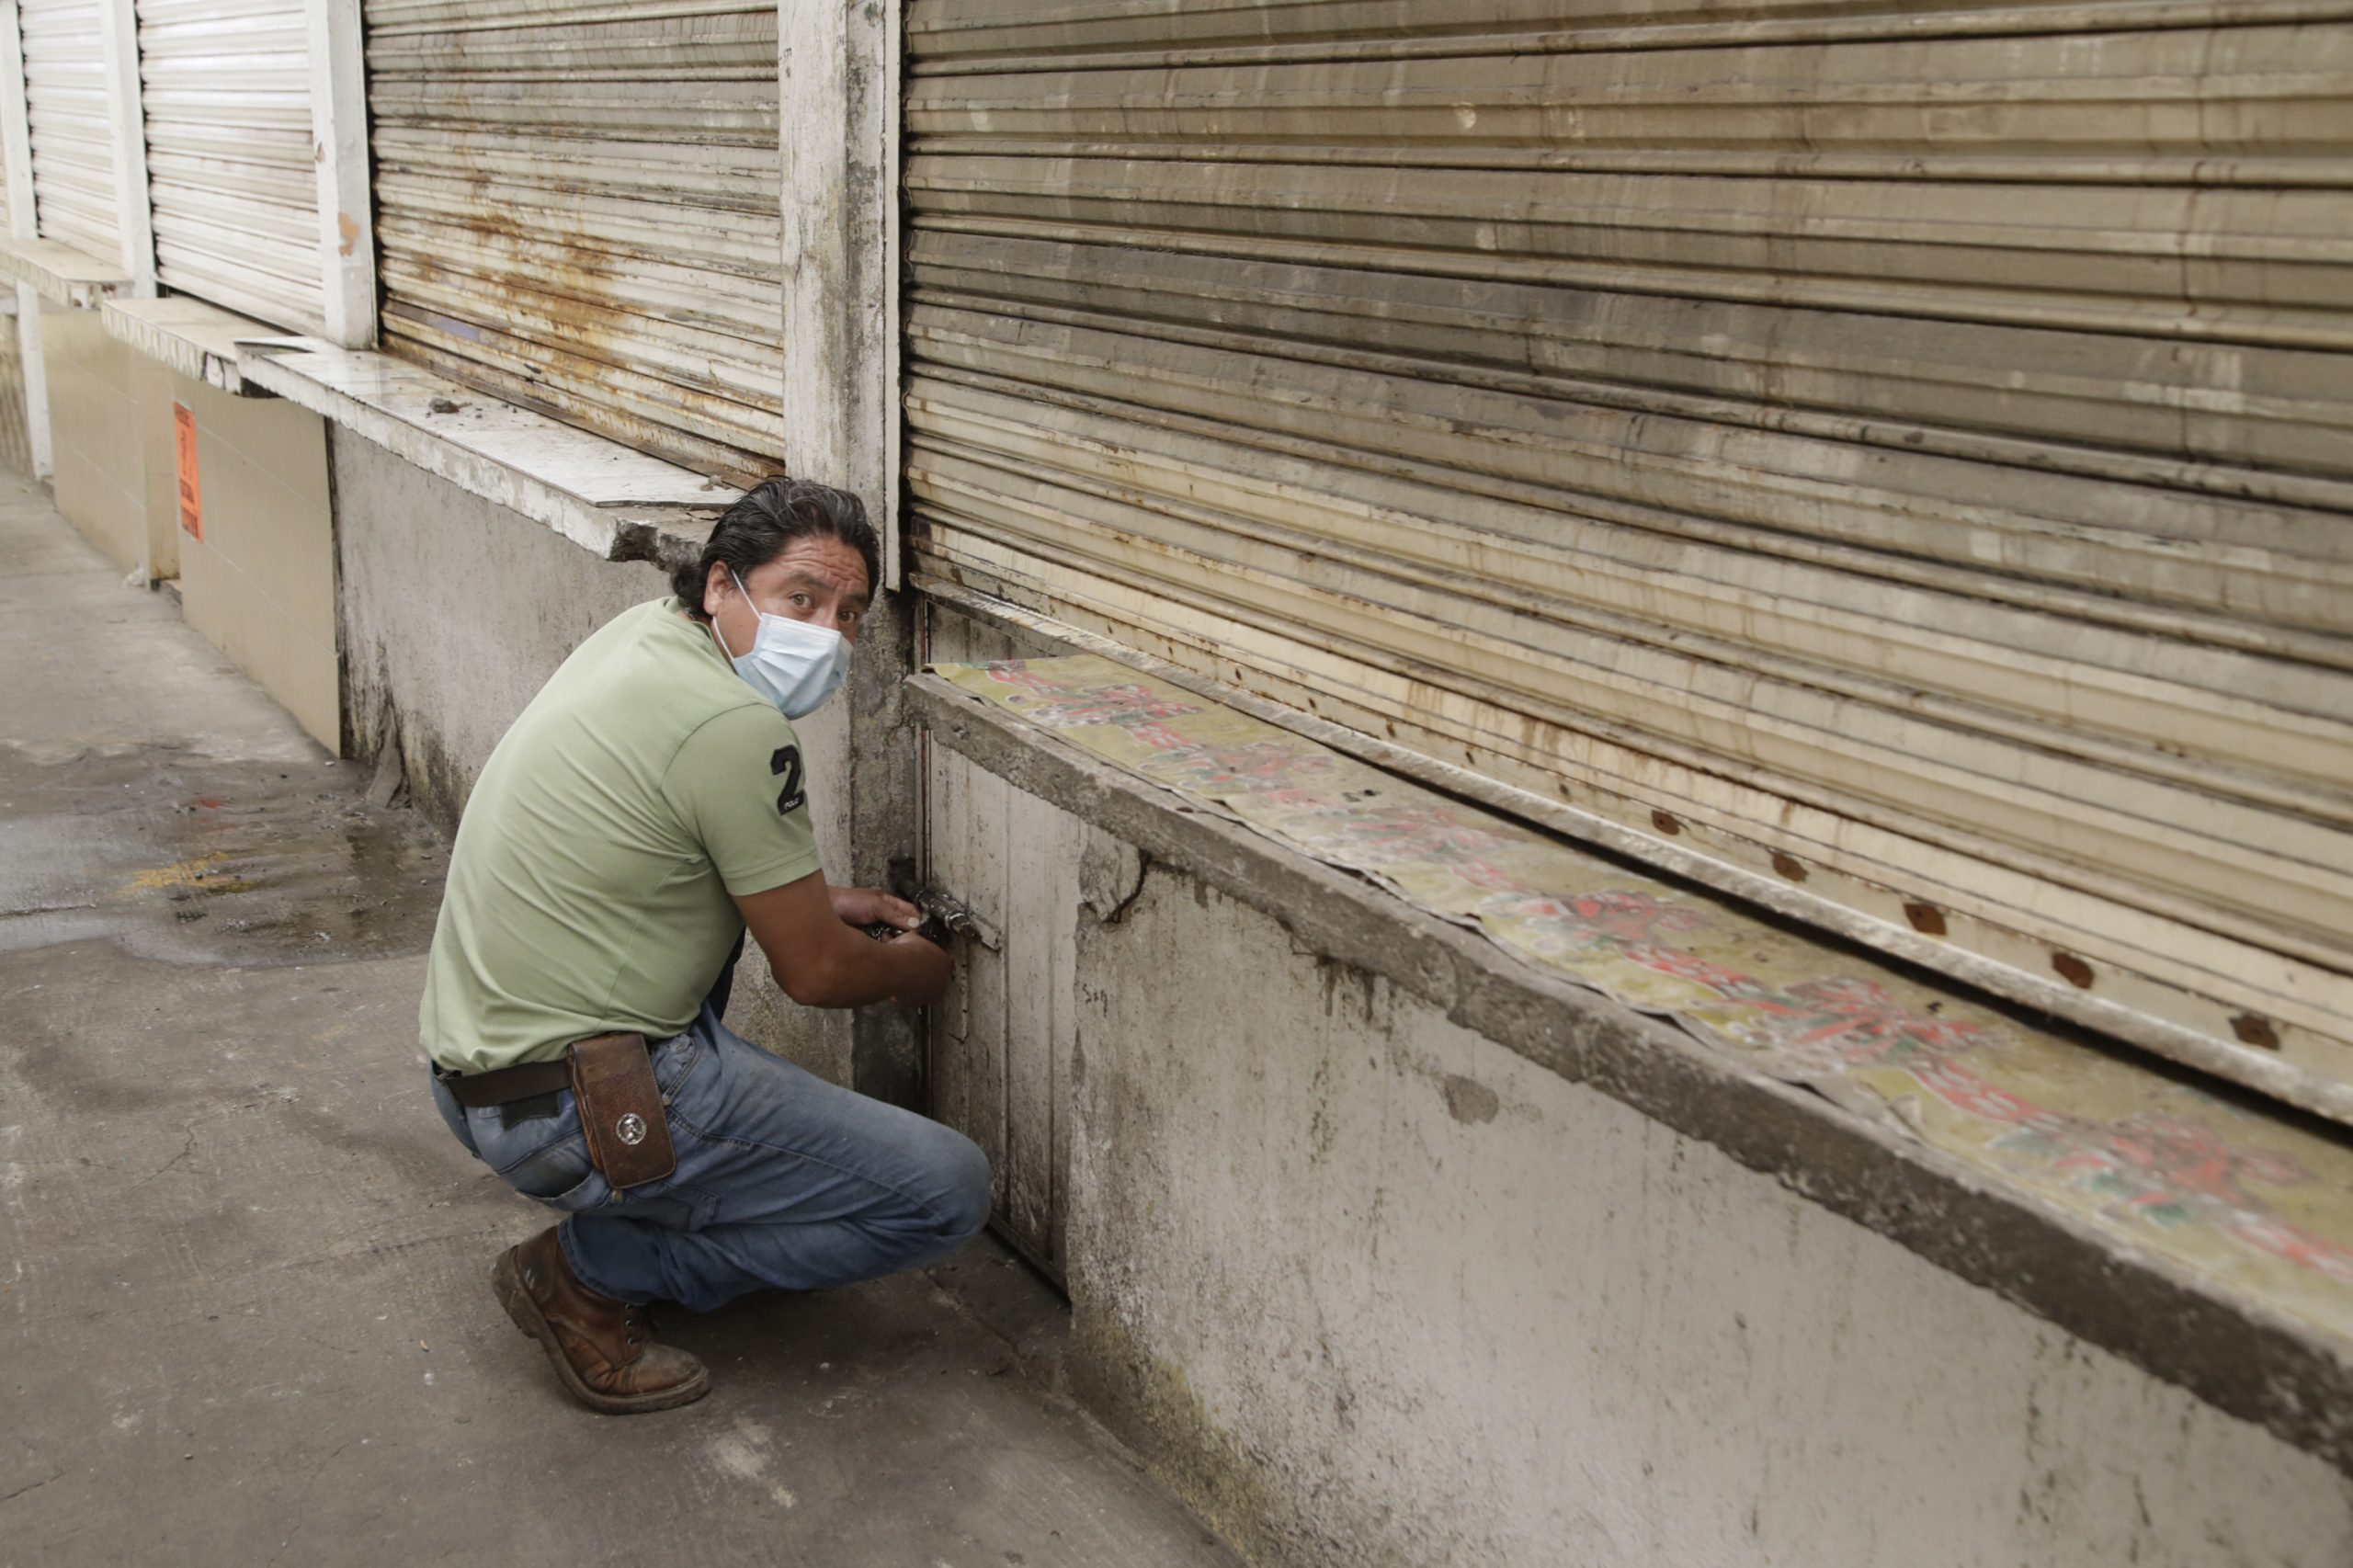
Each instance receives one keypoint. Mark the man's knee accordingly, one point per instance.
(961, 1185)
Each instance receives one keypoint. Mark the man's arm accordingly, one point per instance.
(821, 962)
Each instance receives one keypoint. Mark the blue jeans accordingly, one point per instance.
(783, 1179)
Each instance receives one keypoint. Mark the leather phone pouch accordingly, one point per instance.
(620, 1109)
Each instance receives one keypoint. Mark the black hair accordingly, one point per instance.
(771, 514)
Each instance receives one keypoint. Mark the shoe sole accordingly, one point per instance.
(508, 1284)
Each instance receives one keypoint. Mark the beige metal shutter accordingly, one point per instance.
(226, 88)
(1900, 454)
(65, 94)
(578, 210)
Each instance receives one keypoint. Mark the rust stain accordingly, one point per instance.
(534, 265)
(1927, 918)
(544, 310)
(2254, 1030)
(2073, 970)
(350, 231)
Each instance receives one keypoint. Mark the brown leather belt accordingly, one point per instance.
(505, 1085)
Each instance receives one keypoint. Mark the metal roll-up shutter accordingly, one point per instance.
(65, 98)
(230, 156)
(1905, 459)
(578, 210)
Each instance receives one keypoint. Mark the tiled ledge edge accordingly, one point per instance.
(195, 339)
(60, 274)
(612, 501)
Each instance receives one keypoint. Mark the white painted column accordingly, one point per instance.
(127, 125)
(346, 205)
(17, 167)
(839, 123)
(840, 114)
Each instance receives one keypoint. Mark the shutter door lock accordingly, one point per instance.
(944, 920)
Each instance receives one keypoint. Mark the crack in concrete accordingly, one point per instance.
(186, 1150)
(34, 1486)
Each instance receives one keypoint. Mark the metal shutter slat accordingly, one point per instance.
(578, 210)
(232, 180)
(73, 153)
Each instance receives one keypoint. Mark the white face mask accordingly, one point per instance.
(793, 664)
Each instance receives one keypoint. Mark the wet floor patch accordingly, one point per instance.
(190, 859)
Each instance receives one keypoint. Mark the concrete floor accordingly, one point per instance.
(244, 1310)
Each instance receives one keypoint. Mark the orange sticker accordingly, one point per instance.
(184, 449)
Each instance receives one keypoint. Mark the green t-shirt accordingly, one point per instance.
(590, 886)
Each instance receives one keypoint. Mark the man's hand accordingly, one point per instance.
(931, 969)
(870, 907)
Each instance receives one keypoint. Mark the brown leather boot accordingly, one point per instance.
(602, 1348)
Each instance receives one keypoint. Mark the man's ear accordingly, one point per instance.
(714, 581)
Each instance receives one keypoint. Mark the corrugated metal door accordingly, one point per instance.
(577, 209)
(226, 88)
(65, 94)
(1905, 458)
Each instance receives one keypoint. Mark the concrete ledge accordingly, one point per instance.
(2290, 1083)
(60, 274)
(197, 339)
(2228, 1348)
(616, 503)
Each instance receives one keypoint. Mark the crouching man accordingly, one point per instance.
(644, 813)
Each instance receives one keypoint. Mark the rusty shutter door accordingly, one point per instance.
(65, 98)
(225, 85)
(1911, 471)
(578, 210)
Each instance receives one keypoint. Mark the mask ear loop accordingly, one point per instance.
(711, 625)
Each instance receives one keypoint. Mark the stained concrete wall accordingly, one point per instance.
(110, 431)
(259, 584)
(1417, 1299)
(454, 611)
(1371, 1288)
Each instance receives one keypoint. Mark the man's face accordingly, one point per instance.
(816, 578)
